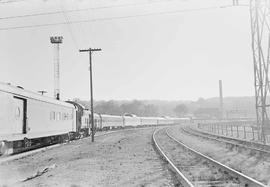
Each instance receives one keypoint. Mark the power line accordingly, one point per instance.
(84, 29)
(78, 10)
(11, 1)
(111, 18)
(69, 26)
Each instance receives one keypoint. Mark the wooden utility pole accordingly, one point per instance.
(90, 50)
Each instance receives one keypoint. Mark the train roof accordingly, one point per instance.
(112, 116)
(21, 92)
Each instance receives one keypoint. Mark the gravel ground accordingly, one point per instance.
(198, 171)
(255, 166)
(124, 158)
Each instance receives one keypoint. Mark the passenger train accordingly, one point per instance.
(29, 120)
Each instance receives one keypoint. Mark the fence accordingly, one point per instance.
(234, 130)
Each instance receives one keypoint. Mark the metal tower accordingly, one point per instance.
(260, 30)
(56, 40)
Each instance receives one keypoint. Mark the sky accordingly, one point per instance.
(159, 49)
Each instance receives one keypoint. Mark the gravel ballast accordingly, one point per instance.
(124, 158)
(199, 171)
(253, 165)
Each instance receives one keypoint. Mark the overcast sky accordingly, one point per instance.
(177, 55)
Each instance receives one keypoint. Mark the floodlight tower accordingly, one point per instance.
(56, 40)
(260, 32)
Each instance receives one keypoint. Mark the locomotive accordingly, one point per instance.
(29, 120)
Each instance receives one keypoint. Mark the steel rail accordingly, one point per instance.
(248, 181)
(184, 181)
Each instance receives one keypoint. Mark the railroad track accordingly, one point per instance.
(192, 168)
(254, 146)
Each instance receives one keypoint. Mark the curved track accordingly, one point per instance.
(195, 169)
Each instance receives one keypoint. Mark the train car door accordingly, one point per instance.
(19, 115)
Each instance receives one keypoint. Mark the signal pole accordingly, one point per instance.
(90, 50)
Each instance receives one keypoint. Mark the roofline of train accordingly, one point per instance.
(20, 92)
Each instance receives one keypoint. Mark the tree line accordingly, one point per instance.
(135, 107)
(138, 108)
(202, 108)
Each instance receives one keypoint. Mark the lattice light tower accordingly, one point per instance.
(56, 41)
(260, 30)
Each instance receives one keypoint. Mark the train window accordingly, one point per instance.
(58, 116)
(52, 115)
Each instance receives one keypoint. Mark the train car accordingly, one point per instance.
(149, 121)
(131, 121)
(29, 120)
(98, 121)
(111, 121)
(83, 122)
(86, 121)
(165, 121)
(79, 113)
